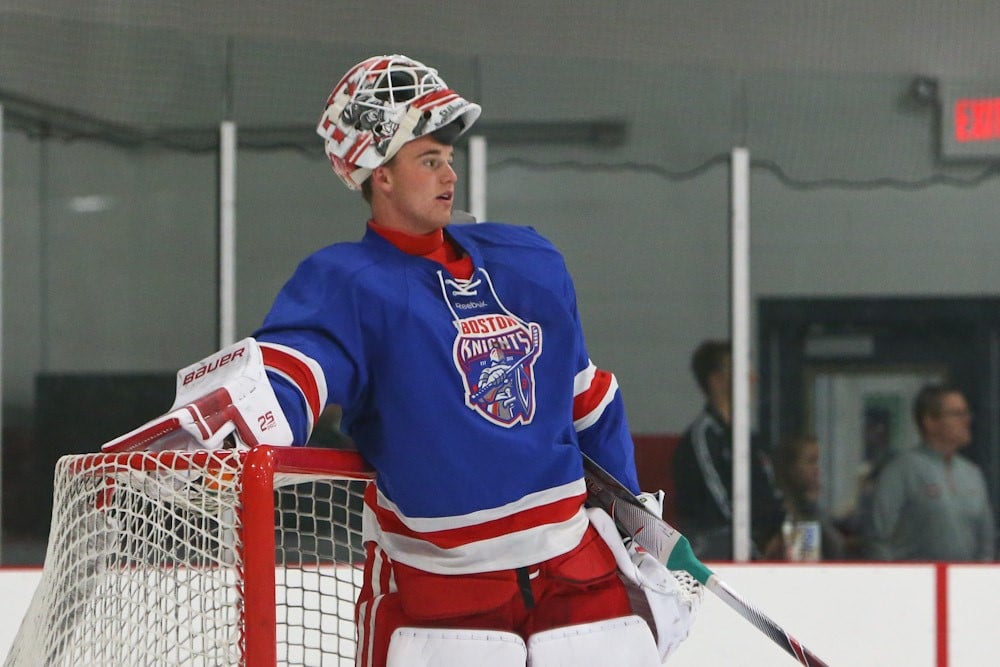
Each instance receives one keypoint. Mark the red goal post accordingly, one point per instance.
(248, 558)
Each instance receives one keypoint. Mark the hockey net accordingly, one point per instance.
(200, 558)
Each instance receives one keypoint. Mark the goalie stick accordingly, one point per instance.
(531, 353)
(672, 549)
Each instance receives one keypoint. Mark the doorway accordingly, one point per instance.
(847, 369)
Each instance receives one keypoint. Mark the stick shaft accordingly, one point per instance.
(762, 622)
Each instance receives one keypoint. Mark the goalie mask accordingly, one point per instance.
(382, 103)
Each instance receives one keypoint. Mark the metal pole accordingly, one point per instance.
(227, 233)
(740, 303)
(477, 177)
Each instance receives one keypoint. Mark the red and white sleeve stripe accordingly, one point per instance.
(302, 372)
(593, 391)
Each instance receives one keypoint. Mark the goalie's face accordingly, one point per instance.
(415, 191)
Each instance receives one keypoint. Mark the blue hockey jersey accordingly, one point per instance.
(470, 398)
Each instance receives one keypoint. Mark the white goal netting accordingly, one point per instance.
(199, 559)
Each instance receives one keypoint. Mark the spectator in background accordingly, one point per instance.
(797, 472)
(703, 468)
(930, 502)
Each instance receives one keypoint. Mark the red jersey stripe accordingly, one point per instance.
(555, 512)
(591, 398)
(299, 373)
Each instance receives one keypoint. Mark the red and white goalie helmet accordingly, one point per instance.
(382, 103)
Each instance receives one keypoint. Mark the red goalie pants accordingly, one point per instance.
(580, 586)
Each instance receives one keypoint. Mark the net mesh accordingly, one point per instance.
(147, 565)
(319, 543)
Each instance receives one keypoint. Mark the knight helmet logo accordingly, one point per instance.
(495, 355)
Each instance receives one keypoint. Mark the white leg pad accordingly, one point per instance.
(447, 647)
(623, 642)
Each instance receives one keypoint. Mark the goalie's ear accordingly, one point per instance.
(381, 180)
(226, 396)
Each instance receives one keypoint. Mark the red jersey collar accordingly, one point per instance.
(411, 244)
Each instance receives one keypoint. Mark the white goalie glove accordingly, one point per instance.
(653, 502)
(671, 599)
(224, 398)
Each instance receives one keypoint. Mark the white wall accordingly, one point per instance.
(850, 615)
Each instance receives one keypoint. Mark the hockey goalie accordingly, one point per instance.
(456, 353)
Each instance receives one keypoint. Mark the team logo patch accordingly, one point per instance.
(495, 355)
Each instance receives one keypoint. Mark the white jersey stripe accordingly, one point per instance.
(594, 415)
(584, 378)
(505, 552)
(528, 502)
(307, 365)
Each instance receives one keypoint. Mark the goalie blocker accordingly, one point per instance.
(225, 399)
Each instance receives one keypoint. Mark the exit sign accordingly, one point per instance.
(976, 119)
(970, 121)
